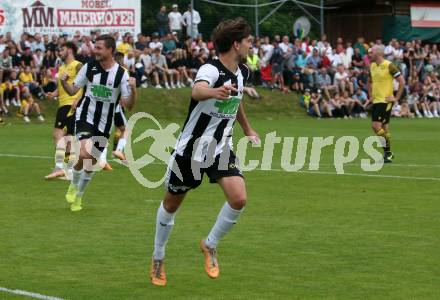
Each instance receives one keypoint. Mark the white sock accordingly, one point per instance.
(76, 175)
(59, 157)
(121, 144)
(83, 182)
(225, 220)
(164, 225)
(103, 157)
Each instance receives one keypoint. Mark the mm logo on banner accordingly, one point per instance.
(38, 15)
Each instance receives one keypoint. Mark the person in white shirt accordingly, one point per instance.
(327, 48)
(149, 70)
(312, 46)
(342, 79)
(155, 43)
(285, 45)
(335, 58)
(176, 20)
(345, 58)
(130, 61)
(389, 50)
(191, 16)
(267, 48)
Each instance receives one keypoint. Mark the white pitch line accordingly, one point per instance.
(358, 174)
(154, 163)
(24, 156)
(28, 294)
(303, 171)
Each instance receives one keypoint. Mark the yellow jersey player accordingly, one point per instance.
(65, 118)
(383, 73)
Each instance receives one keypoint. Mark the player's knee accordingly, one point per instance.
(170, 206)
(238, 202)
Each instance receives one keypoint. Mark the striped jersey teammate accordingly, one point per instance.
(104, 80)
(206, 137)
(120, 121)
(383, 73)
(65, 118)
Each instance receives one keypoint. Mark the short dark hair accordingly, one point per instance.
(70, 45)
(228, 32)
(109, 41)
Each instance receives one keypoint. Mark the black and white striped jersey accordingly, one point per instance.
(101, 97)
(212, 119)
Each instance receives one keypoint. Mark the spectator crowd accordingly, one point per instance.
(332, 80)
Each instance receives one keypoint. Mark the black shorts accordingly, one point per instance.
(65, 119)
(431, 99)
(381, 112)
(84, 131)
(120, 119)
(191, 180)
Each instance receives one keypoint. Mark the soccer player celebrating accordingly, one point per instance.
(104, 80)
(206, 137)
(381, 91)
(65, 117)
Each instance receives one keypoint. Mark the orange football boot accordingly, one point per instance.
(211, 263)
(157, 273)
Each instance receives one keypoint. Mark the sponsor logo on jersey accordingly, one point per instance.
(228, 107)
(101, 92)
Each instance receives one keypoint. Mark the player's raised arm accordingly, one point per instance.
(203, 88)
(79, 82)
(201, 91)
(128, 92)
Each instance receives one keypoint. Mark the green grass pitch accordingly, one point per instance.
(303, 235)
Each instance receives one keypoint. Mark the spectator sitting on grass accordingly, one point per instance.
(413, 103)
(10, 91)
(29, 105)
(324, 82)
(161, 67)
(339, 107)
(361, 97)
(342, 79)
(27, 79)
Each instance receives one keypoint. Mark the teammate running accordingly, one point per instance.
(65, 118)
(104, 80)
(383, 73)
(205, 142)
